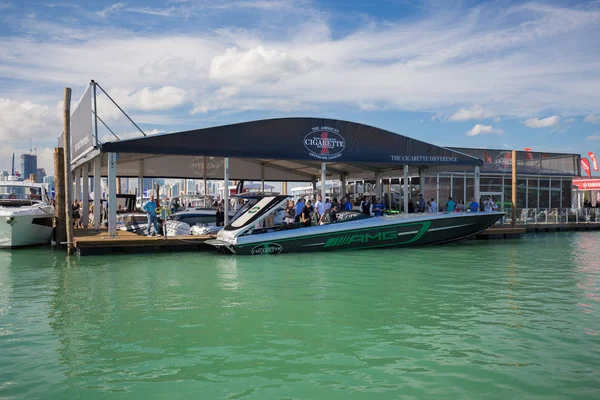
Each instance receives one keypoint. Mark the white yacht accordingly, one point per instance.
(194, 210)
(25, 214)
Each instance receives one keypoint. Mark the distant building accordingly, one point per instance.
(49, 181)
(3, 175)
(40, 175)
(28, 165)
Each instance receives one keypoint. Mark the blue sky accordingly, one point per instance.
(495, 74)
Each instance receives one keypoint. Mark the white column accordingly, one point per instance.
(262, 177)
(85, 212)
(379, 191)
(437, 190)
(476, 182)
(78, 173)
(323, 179)
(97, 190)
(141, 182)
(226, 191)
(204, 175)
(406, 194)
(112, 194)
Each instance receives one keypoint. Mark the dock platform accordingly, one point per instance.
(97, 242)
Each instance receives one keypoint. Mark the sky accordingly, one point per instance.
(491, 74)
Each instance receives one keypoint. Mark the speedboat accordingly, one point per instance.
(249, 234)
(193, 210)
(25, 214)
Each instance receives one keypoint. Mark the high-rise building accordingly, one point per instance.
(28, 165)
(49, 182)
(40, 174)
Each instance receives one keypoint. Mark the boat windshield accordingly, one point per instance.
(8, 192)
(184, 203)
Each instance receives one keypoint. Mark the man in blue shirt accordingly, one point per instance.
(378, 208)
(421, 203)
(450, 204)
(299, 207)
(474, 206)
(150, 209)
(347, 204)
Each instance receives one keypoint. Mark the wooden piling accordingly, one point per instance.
(60, 227)
(67, 169)
(118, 185)
(513, 219)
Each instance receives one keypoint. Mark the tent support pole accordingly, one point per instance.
(476, 183)
(85, 208)
(78, 173)
(437, 191)
(262, 177)
(226, 190)
(205, 185)
(323, 179)
(343, 186)
(406, 194)
(378, 183)
(97, 190)
(141, 183)
(112, 194)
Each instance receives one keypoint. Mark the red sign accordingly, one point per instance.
(594, 161)
(585, 164)
(587, 184)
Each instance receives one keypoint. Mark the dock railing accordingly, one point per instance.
(527, 216)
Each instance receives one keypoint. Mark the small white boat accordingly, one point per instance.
(177, 228)
(25, 214)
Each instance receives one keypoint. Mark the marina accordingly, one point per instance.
(299, 200)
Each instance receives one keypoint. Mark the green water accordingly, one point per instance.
(498, 320)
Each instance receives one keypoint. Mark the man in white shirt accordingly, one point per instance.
(320, 206)
(433, 205)
(490, 205)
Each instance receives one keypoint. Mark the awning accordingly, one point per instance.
(295, 145)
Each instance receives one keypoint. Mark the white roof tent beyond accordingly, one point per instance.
(283, 149)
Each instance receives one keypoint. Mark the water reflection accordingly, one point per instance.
(5, 288)
(585, 254)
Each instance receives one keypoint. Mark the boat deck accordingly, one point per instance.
(94, 242)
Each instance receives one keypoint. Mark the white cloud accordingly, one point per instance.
(110, 10)
(21, 121)
(541, 123)
(258, 65)
(146, 99)
(593, 137)
(480, 129)
(170, 67)
(569, 120)
(475, 112)
(592, 119)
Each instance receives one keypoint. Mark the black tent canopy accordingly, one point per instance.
(297, 145)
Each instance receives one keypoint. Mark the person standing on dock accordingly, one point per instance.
(150, 209)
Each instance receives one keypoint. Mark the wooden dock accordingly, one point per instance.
(96, 242)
